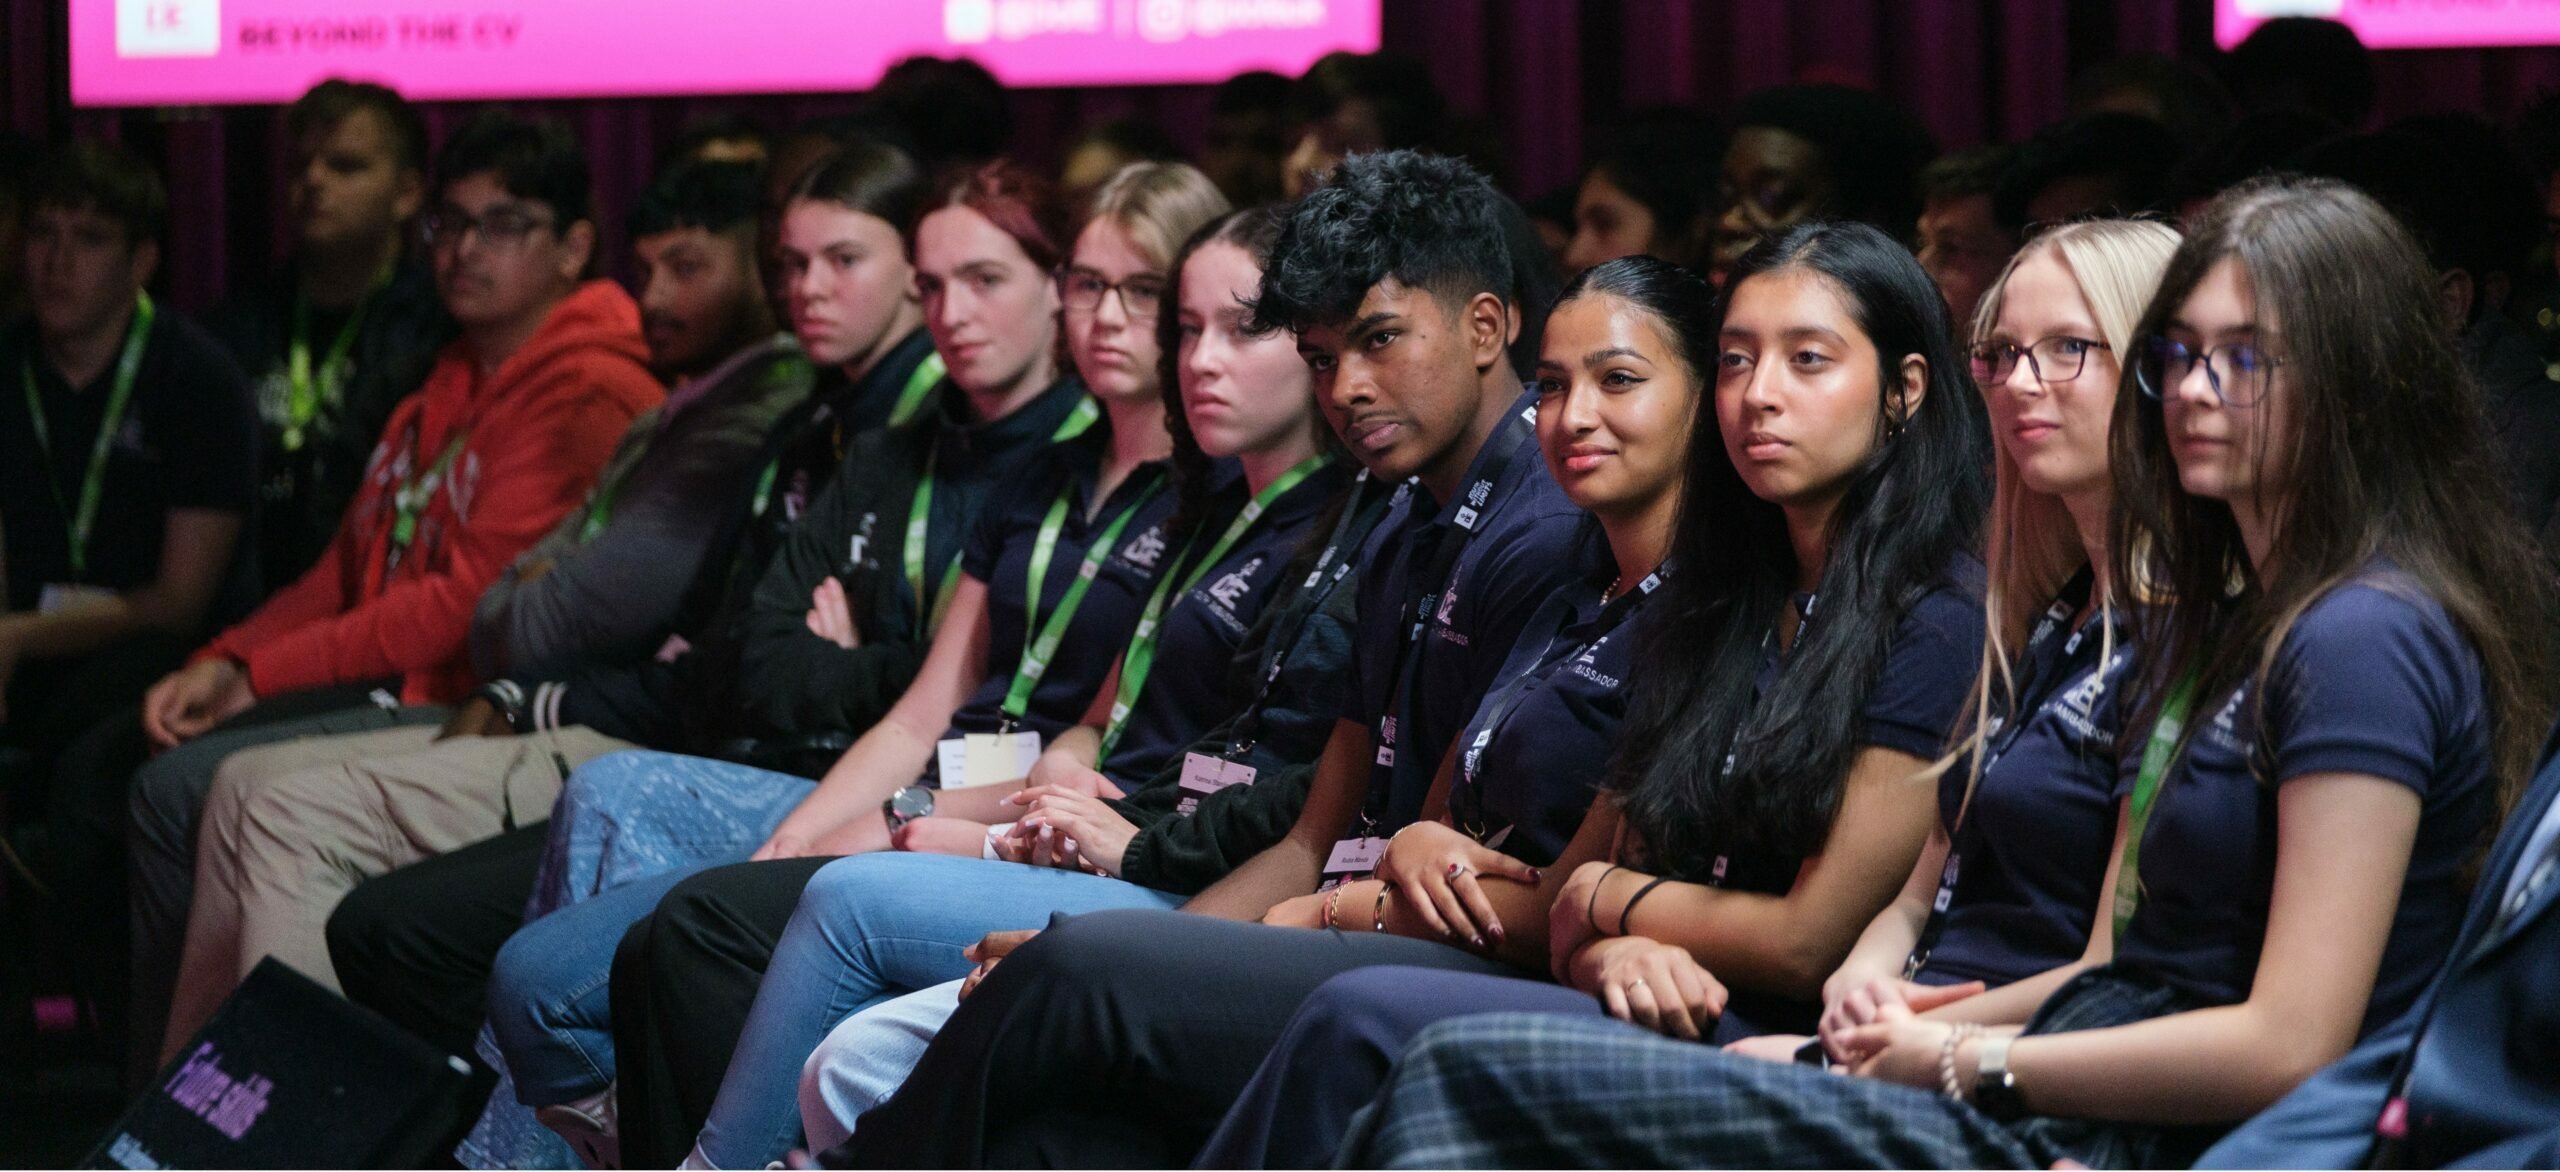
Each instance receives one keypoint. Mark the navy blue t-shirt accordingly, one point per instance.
(1186, 689)
(2032, 852)
(1523, 786)
(1518, 530)
(999, 554)
(2373, 679)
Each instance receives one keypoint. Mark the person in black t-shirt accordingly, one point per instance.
(347, 328)
(126, 441)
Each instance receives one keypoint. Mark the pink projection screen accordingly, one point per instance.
(217, 52)
(2405, 24)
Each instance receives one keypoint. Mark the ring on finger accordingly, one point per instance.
(1457, 869)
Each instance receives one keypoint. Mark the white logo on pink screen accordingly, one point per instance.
(973, 22)
(168, 28)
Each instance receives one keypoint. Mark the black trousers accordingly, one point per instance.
(416, 944)
(683, 981)
(1114, 1040)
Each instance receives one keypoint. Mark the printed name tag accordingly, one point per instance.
(986, 758)
(1355, 856)
(1204, 774)
(59, 597)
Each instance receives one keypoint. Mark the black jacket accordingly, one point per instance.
(302, 494)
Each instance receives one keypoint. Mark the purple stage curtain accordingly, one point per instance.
(1537, 72)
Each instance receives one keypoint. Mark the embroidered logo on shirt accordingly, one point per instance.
(1146, 549)
(1229, 590)
(860, 543)
(1587, 664)
(2225, 730)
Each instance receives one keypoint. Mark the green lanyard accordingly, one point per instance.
(93, 483)
(920, 514)
(1078, 421)
(600, 509)
(920, 384)
(2146, 793)
(1041, 648)
(309, 393)
(1140, 659)
(911, 553)
(410, 499)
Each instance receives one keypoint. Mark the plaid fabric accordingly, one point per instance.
(1542, 1090)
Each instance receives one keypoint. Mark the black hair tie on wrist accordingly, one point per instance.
(1637, 898)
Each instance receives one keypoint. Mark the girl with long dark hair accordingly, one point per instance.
(1837, 471)
(2340, 683)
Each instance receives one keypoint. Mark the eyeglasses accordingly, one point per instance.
(2058, 359)
(1083, 290)
(2238, 372)
(499, 227)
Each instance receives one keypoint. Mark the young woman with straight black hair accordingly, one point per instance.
(1842, 461)
(2341, 681)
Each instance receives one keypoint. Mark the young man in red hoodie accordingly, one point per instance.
(507, 434)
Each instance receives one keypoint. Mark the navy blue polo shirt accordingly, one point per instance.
(1538, 748)
(1917, 699)
(189, 440)
(1186, 690)
(1514, 531)
(998, 553)
(2033, 849)
(2373, 679)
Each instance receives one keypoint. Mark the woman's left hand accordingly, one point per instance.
(1648, 983)
(1101, 836)
(1904, 1050)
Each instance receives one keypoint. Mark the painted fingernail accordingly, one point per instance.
(1478, 941)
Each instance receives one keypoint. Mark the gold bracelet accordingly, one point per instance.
(1379, 913)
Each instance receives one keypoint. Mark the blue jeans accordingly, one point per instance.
(866, 1057)
(869, 928)
(628, 827)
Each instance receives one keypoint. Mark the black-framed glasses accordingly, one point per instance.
(2058, 359)
(499, 227)
(2238, 372)
(1084, 289)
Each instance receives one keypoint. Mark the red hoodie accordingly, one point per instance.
(534, 434)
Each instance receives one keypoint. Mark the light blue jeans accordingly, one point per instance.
(869, 928)
(628, 827)
(866, 1058)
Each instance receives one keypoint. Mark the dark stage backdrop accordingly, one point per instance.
(1537, 71)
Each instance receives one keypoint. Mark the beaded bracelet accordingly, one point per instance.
(1947, 1084)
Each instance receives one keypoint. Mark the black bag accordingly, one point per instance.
(290, 1075)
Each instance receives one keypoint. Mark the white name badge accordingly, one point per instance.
(59, 597)
(987, 758)
(1355, 856)
(1204, 774)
